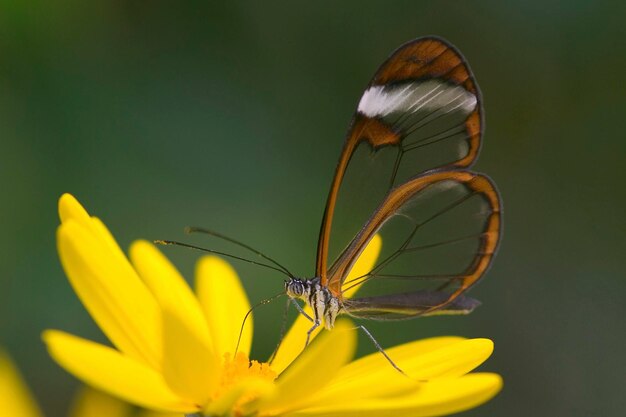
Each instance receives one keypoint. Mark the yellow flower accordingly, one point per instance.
(174, 350)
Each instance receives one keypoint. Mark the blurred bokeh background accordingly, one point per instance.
(159, 115)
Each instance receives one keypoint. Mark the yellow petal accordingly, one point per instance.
(400, 353)
(70, 208)
(15, 397)
(294, 340)
(418, 359)
(439, 357)
(110, 290)
(364, 264)
(449, 361)
(93, 403)
(169, 287)
(110, 371)
(190, 367)
(313, 369)
(225, 304)
(437, 398)
(256, 387)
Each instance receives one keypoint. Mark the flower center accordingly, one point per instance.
(238, 368)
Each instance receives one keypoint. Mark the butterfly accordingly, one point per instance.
(416, 132)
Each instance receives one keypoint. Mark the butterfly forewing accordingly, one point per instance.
(421, 111)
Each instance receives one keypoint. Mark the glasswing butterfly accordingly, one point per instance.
(418, 127)
(416, 132)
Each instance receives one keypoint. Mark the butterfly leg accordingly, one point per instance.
(316, 322)
(380, 349)
(300, 309)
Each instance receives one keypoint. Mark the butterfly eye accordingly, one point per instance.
(294, 287)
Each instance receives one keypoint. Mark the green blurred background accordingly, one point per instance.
(157, 116)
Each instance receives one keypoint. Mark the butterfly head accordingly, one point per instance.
(295, 287)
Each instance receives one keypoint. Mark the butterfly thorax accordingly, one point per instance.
(323, 303)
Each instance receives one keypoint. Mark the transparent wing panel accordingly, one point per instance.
(439, 234)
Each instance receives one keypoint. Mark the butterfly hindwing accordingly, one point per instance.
(447, 226)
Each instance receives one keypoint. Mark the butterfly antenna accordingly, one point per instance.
(243, 323)
(239, 258)
(193, 229)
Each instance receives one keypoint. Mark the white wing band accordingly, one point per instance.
(380, 100)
